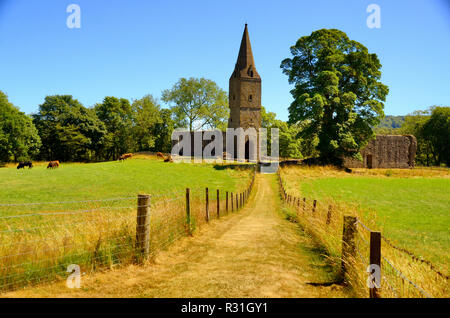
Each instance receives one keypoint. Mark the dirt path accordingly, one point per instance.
(253, 253)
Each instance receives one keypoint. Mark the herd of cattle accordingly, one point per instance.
(55, 164)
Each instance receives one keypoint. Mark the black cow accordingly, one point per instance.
(22, 165)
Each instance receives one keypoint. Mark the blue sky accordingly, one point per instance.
(132, 48)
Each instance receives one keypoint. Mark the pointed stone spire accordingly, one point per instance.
(245, 65)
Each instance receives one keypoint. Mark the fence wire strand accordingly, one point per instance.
(94, 237)
(288, 199)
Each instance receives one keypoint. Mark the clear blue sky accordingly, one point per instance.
(132, 48)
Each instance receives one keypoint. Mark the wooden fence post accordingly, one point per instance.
(207, 205)
(348, 241)
(226, 204)
(237, 203)
(240, 200)
(218, 204)
(329, 214)
(232, 202)
(375, 259)
(188, 210)
(314, 206)
(143, 227)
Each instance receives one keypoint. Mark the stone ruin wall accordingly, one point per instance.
(387, 151)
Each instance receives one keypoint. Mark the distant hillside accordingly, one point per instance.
(392, 122)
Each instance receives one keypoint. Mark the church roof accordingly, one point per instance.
(245, 64)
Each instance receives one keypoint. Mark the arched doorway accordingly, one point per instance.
(247, 150)
(369, 161)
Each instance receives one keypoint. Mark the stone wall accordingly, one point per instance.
(387, 151)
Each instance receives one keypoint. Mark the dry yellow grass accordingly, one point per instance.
(38, 239)
(394, 284)
(253, 253)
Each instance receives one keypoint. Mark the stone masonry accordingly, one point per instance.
(387, 151)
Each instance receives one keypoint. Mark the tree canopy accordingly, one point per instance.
(198, 103)
(19, 139)
(337, 92)
(68, 130)
(291, 144)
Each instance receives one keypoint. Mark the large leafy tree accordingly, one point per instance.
(413, 125)
(163, 131)
(437, 131)
(198, 103)
(68, 130)
(118, 117)
(291, 145)
(19, 139)
(337, 91)
(147, 115)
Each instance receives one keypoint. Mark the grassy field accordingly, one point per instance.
(85, 214)
(411, 206)
(75, 182)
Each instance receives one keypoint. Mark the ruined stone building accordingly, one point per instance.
(387, 151)
(244, 99)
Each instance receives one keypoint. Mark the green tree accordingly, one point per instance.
(198, 104)
(337, 89)
(117, 116)
(163, 131)
(147, 116)
(68, 130)
(437, 131)
(19, 139)
(290, 144)
(413, 125)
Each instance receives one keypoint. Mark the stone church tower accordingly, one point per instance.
(245, 89)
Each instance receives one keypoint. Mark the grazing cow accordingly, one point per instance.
(159, 155)
(125, 156)
(22, 165)
(53, 164)
(168, 159)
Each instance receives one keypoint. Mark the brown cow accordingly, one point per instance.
(125, 156)
(53, 164)
(168, 159)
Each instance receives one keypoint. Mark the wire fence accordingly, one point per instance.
(38, 243)
(402, 273)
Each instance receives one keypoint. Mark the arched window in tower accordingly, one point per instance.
(251, 73)
(250, 98)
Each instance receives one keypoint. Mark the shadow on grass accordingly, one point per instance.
(234, 166)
